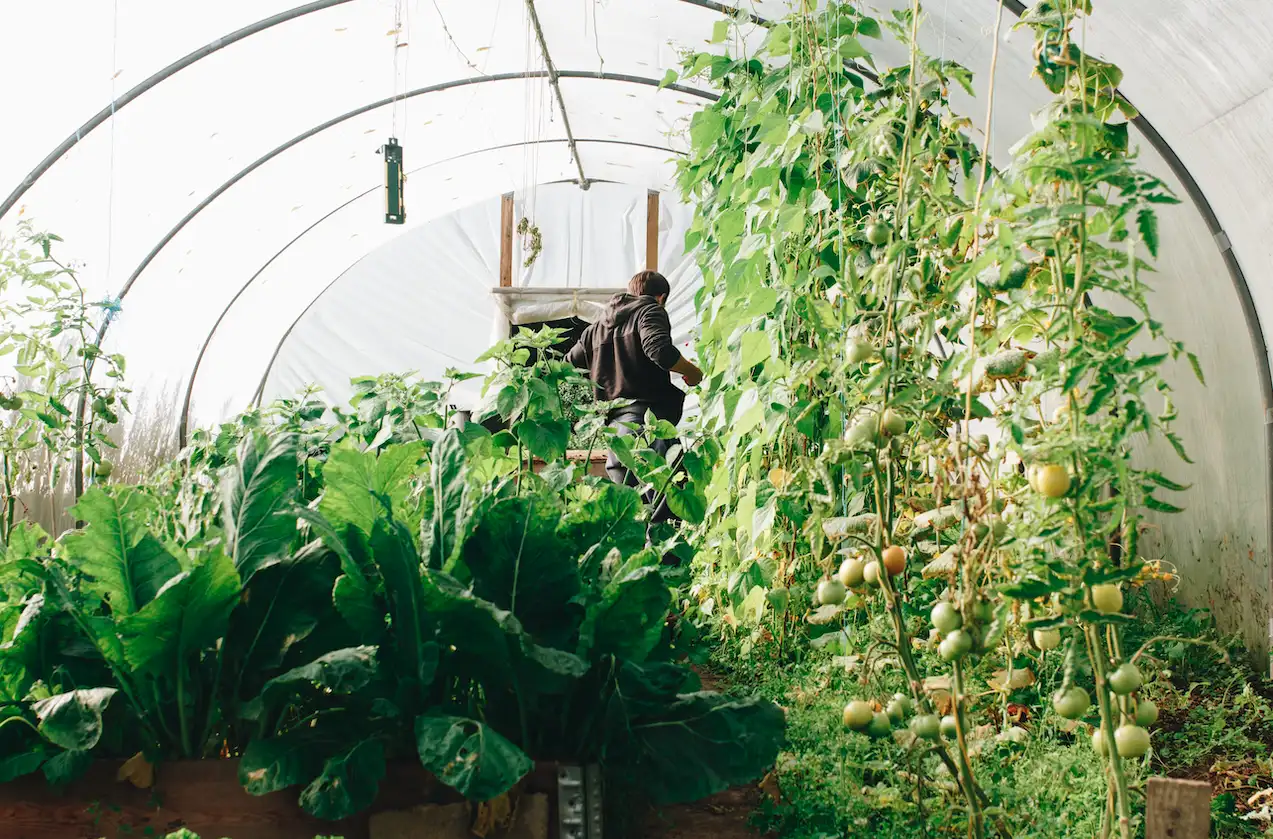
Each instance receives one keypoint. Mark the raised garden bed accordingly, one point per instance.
(207, 798)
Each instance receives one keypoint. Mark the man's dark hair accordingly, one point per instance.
(649, 283)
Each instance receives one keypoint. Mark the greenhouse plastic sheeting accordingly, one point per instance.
(378, 316)
(477, 117)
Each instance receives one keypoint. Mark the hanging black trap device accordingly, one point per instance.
(395, 183)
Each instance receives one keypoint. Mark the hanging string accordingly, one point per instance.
(397, 88)
(110, 175)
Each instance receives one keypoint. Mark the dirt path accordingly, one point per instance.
(723, 816)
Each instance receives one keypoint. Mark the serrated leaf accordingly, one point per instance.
(1147, 224)
(360, 484)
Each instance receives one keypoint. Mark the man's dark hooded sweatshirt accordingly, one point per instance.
(628, 353)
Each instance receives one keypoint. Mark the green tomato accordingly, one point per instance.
(949, 729)
(1126, 679)
(858, 715)
(1047, 639)
(946, 617)
(1146, 713)
(831, 593)
(104, 469)
(926, 727)
(955, 646)
(1098, 743)
(852, 572)
(858, 351)
(880, 726)
(1071, 704)
(892, 423)
(871, 573)
(899, 708)
(1131, 741)
(877, 233)
(1107, 598)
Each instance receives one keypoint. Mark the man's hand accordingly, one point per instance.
(689, 370)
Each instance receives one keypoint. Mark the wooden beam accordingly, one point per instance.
(506, 241)
(1177, 809)
(652, 231)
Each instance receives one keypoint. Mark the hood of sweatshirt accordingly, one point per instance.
(623, 308)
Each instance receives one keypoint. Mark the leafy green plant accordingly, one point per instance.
(52, 416)
(342, 606)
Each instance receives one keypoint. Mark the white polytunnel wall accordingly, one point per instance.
(238, 200)
(382, 315)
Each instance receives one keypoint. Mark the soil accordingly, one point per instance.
(723, 816)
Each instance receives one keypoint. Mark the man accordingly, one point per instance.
(629, 355)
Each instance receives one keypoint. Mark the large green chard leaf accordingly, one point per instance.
(395, 556)
(340, 673)
(121, 561)
(515, 558)
(280, 606)
(628, 620)
(291, 758)
(704, 743)
(605, 515)
(189, 613)
(491, 644)
(73, 720)
(359, 484)
(258, 501)
(447, 478)
(469, 756)
(348, 783)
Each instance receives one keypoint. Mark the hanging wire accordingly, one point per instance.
(397, 88)
(110, 175)
(405, 48)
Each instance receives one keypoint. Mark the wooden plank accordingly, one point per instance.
(1177, 809)
(652, 231)
(506, 241)
(207, 797)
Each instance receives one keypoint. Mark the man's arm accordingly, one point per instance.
(656, 341)
(578, 354)
(689, 370)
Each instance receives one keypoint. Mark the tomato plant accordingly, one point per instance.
(951, 361)
(52, 415)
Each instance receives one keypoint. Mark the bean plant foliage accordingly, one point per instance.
(318, 595)
(926, 377)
